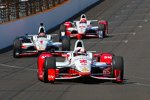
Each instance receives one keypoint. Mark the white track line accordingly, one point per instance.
(144, 20)
(141, 84)
(131, 33)
(135, 77)
(140, 26)
(17, 67)
(124, 41)
(53, 34)
(137, 83)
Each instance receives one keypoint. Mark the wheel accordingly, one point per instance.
(101, 32)
(118, 68)
(49, 64)
(17, 48)
(65, 43)
(62, 30)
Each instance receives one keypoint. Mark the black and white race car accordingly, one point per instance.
(34, 44)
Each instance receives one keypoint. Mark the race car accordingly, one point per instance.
(86, 28)
(80, 63)
(35, 44)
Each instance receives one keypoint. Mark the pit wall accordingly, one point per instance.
(9, 31)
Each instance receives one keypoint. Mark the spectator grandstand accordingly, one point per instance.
(15, 9)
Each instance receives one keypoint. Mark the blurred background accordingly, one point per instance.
(15, 9)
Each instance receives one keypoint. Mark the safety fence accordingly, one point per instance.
(15, 9)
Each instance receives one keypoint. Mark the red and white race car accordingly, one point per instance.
(80, 63)
(86, 28)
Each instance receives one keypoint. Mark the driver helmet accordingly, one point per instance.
(83, 20)
(42, 33)
(81, 51)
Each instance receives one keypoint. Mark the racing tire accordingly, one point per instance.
(62, 29)
(17, 48)
(118, 64)
(102, 31)
(66, 43)
(50, 63)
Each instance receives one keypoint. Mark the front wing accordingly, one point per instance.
(74, 74)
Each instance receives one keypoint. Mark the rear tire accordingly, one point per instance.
(118, 64)
(65, 44)
(50, 63)
(62, 29)
(102, 30)
(17, 48)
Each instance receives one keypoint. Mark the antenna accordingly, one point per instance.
(41, 24)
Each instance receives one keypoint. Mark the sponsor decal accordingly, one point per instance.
(51, 77)
(107, 57)
(85, 69)
(41, 42)
(83, 62)
(107, 71)
(62, 33)
(41, 47)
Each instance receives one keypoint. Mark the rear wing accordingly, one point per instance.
(30, 35)
(93, 20)
(87, 20)
(72, 51)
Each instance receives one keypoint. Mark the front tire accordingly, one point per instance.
(17, 48)
(62, 29)
(50, 63)
(118, 69)
(101, 32)
(65, 44)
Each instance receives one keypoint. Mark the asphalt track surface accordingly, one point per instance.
(129, 28)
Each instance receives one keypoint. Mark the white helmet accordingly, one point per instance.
(81, 51)
(83, 20)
